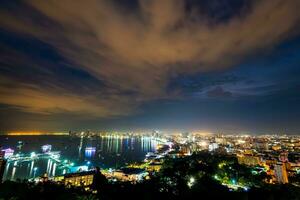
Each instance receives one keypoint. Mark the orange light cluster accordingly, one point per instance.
(35, 133)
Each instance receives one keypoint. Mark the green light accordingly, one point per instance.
(191, 182)
(254, 172)
(221, 165)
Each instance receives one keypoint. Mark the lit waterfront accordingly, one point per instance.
(70, 153)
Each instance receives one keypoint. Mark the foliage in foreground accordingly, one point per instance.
(173, 182)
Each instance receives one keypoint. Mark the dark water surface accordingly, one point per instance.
(107, 152)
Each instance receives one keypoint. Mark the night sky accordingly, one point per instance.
(229, 66)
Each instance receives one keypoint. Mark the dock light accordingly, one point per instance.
(88, 162)
(33, 154)
(90, 151)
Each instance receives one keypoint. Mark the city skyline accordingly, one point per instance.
(216, 66)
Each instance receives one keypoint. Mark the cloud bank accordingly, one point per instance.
(135, 52)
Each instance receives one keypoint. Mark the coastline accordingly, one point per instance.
(32, 133)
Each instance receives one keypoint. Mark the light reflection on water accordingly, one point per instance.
(109, 152)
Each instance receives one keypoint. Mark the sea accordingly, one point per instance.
(56, 155)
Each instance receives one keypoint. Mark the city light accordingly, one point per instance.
(90, 151)
(150, 99)
(153, 161)
(221, 165)
(191, 182)
(203, 144)
(32, 154)
(233, 181)
(8, 152)
(46, 148)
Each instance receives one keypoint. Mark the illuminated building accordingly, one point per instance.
(8, 152)
(248, 151)
(130, 174)
(185, 150)
(153, 167)
(281, 173)
(213, 147)
(162, 147)
(221, 140)
(276, 147)
(248, 160)
(203, 144)
(261, 145)
(76, 179)
(46, 148)
(43, 178)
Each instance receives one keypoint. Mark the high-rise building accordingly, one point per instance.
(213, 146)
(281, 173)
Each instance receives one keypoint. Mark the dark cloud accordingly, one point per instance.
(218, 92)
(133, 50)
